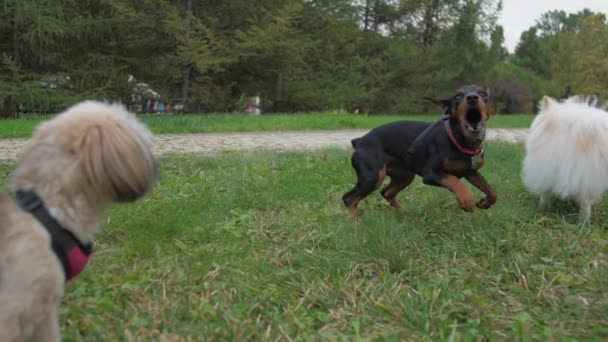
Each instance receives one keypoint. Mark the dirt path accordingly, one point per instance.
(217, 142)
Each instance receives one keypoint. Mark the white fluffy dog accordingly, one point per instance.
(567, 152)
(74, 166)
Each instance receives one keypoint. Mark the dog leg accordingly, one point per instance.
(347, 198)
(365, 186)
(370, 174)
(480, 183)
(585, 210)
(463, 194)
(10, 327)
(37, 321)
(545, 201)
(390, 192)
(397, 184)
(49, 329)
(351, 204)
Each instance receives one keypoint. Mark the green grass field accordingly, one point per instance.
(257, 246)
(243, 123)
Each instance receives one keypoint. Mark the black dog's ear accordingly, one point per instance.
(444, 105)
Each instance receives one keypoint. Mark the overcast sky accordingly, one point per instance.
(518, 15)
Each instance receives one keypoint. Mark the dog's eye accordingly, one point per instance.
(458, 98)
(483, 94)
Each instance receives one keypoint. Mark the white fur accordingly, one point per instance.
(567, 152)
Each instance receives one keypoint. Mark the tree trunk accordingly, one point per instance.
(429, 31)
(376, 15)
(366, 16)
(278, 96)
(8, 108)
(16, 31)
(188, 71)
(186, 86)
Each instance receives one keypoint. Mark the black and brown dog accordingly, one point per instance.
(441, 153)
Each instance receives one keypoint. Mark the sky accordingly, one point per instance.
(518, 15)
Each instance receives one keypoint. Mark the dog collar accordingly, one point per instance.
(458, 145)
(72, 254)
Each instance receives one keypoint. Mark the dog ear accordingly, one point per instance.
(546, 102)
(444, 105)
(115, 163)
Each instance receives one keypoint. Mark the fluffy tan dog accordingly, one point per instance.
(74, 166)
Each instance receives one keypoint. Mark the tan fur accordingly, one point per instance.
(86, 158)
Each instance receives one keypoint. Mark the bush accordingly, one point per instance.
(510, 97)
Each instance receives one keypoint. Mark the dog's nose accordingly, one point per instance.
(473, 98)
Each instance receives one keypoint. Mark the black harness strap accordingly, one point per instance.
(62, 240)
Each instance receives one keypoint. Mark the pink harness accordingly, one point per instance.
(77, 260)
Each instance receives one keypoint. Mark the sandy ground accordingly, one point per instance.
(212, 143)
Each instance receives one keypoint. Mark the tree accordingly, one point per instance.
(581, 59)
(538, 45)
(31, 31)
(272, 52)
(198, 52)
(375, 55)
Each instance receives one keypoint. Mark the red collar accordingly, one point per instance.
(458, 145)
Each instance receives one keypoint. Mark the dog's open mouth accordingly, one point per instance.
(473, 121)
(473, 116)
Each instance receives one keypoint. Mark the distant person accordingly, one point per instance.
(160, 108)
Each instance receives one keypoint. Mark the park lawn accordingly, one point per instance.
(214, 123)
(257, 246)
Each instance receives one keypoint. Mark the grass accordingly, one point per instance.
(257, 246)
(245, 123)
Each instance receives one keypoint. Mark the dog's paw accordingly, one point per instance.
(486, 202)
(466, 203)
(395, 204)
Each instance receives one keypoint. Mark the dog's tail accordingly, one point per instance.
(589, 100)
(355, 141)
(592, 101)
